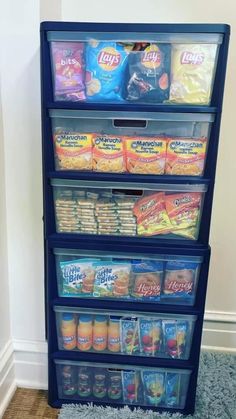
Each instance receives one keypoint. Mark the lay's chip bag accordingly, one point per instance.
(192, 71)
(105, 66)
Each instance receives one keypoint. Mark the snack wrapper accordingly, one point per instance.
(111, 279)
(73, 150)
(192, 70)
(175, 334)
(185, 156)
(150, 336)
(68, 68)
(105, 66)
(154, 387)
(179, 279)
(145, 155)
(149, 73)
(77, 276)
(147, 276)
(108, 154)
(129, 336)
(172, 389)
(130, 382)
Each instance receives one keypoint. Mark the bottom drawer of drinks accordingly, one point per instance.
(123, 385)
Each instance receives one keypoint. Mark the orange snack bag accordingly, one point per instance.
(152, 218)
(185, 156)
(145, 155)
(183, 210)
(108, 153)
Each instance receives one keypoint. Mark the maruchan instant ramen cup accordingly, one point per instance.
(192, 71)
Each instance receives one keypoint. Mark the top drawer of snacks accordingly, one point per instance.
(135, 67)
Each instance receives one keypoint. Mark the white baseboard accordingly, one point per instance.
(7, 376)
(219, 331)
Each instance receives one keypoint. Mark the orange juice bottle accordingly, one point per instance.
(114, 334)
(100, 333)
(85, 332)
(68, 331)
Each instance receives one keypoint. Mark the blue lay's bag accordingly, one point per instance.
(105, 66)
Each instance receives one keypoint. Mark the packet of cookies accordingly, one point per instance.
(185, 156)
(154, 387)
(73, 150)
(77, 276)
(179, 281)
(183, 210)
(108, 153)
(68, 68)
(111, 279)
(130, 336)
(147, 278)
(105, 67)
(150, 336)
(174, 336)
(192, 70)
(145, 155)
(172, 389)
(152, 217)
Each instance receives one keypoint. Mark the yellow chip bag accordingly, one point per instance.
(192, 71)
(145, 155)
(73, 150)
(185, 156)
(108, 153)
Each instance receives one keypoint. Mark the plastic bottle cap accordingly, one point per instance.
(85, 318)
(68, 316)
(100, 318)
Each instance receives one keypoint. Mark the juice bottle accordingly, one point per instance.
(69, 386)
(84, 382)
(100, 333)
(99, 386)
(85, 332)
(114, 334)
(68, 331)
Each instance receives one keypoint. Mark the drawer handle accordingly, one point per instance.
(130, 123)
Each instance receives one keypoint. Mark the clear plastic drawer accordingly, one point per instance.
(129, 385)
(128, 209)
(134, 277)
(134, 67)
(131, 142)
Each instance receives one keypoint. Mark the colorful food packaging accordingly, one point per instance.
(154, 387)
(147, 277)
(84, 382)
(130, 383)
(145, 155)
(114, 385)
(129, 336)
(68, 69)
(174, 335)
(183, 210)
(108, 154)
(69, 380)
(73, 150)
(185, 156)
(150, 336)
(111, 279)
(148, 74)
(179, 279)
(105, 66)
(78, 276)
(152, 218)
(172, 389)
(192, 70)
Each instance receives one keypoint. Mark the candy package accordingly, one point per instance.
(149, 73)
(150, 336)
(108, 154)
(192, 71)
(68, 69)
(147, 277)
(172, 389)
(179, 281)
(185, 156)
(73, 150)
(154, 387)
(77, 276)
(175, 335)
(145, 155)
(111, 279)
(130, 382)
(129, 336)
(105, 66)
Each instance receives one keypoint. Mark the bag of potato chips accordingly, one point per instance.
(192, 71)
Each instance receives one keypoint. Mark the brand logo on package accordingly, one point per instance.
(192, 58)
(109, 59)
(151, 57)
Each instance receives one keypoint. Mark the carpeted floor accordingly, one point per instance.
(216, 396)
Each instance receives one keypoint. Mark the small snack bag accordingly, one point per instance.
(150, 336)
(154, 387)
(172, 389)
(73, 150)
(130, 336)
(77, 276)
(68, 70)
(147, 278)
(130, 382)
(145, 155)
(108, 154)
(111, 279)
(174, 335)
(179, 281)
